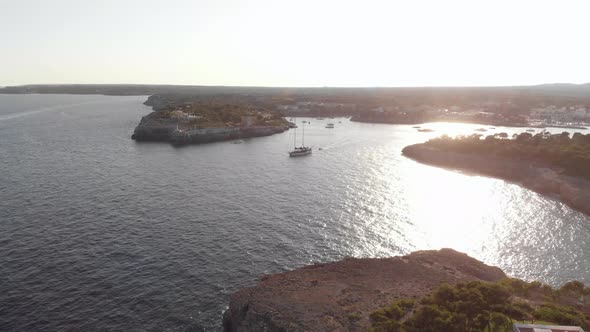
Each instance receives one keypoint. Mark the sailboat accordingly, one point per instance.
(299, 150)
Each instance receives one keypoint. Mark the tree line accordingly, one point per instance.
(570, 153)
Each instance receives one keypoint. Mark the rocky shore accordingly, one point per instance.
(339, 296)
(573, 191)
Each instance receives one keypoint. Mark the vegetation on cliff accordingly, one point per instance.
(570, 154)
(486, 306)
(204, 114)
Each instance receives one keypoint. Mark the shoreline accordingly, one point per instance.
(572, 191)
(521, 125)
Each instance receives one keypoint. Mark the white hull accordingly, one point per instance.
(303, 151)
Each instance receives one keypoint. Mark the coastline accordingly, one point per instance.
(545, 180)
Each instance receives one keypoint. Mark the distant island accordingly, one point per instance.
(557, 165)
(436, 290)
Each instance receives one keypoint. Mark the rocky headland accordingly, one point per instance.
(154, 128)
(538, 176)
(181, 120)
(340, 296)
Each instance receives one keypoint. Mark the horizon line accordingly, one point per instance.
(293, 87)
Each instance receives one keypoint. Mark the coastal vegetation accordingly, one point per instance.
(206, 114)
(486, 306)
(569, 154)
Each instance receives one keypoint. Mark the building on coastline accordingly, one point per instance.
(291, 108)
(248, 120)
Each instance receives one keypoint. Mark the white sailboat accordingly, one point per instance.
(299, 150)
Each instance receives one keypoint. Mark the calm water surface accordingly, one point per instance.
(98, 232)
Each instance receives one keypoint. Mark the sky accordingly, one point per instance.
(295, 43)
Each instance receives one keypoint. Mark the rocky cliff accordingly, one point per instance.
(573, 191)
(155, 128)
(339, 296)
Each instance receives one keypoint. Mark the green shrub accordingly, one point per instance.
(476, 306)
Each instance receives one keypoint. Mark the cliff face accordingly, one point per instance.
(339, 296)
(573, 191)
(154, 128)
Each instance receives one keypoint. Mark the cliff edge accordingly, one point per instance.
(339, 296)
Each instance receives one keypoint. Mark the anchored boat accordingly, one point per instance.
(299, 150)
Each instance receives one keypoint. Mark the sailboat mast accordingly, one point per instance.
(295, 135)
(303, 135)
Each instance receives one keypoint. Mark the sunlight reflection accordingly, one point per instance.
(452, 213)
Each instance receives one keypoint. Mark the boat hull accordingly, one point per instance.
(299, 153)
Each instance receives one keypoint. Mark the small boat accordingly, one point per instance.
(530, 130)
(481, 129)
(426, 130)
(417, 127)
(299, 150)
(330, 125)
(237, 142)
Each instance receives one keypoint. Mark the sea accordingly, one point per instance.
(99, 232)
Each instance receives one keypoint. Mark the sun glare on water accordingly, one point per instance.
(452, 213)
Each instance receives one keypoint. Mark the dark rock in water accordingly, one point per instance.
(324, 297)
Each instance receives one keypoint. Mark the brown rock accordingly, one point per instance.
(339, 296)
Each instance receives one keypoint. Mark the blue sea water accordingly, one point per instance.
(99, 232)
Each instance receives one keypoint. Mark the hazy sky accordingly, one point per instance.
(295, 43)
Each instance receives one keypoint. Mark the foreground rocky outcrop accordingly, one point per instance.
(573, 191)
(339, 296)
